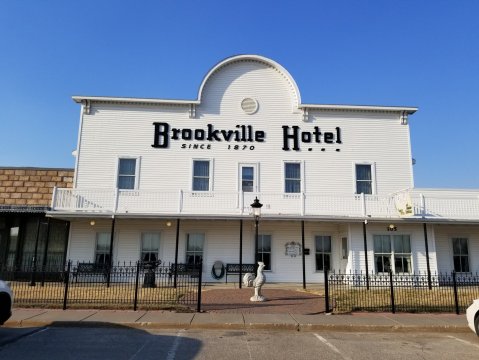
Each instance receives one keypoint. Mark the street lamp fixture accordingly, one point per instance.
(256, 206)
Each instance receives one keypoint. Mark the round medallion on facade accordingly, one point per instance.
(249, 106)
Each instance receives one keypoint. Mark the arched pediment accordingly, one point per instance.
(263, 61)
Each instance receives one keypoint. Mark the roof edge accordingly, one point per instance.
(34, 168)
(408, 109)
(130, 100)
(152, 101)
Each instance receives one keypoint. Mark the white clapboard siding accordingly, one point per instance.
(115, 130)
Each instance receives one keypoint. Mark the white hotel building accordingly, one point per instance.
(165, 179)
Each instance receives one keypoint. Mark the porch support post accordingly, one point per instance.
(34, 260)
(366, 253)
(429, 282)
(44, 262)
(241, 253)
(112, 236)
(176, 251)
(303, 256)
(65, 250)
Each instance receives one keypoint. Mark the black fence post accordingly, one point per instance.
(108, 274)
(137, 280)
(326, 290)
(391, 286)
(200, 271)
(67, 281)
(456, 300)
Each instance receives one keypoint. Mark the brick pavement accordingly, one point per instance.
(277, 301)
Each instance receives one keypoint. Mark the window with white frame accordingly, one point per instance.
(323, 252)
(150, 246)
(364, 179)
(194, 248)
(460, 252)
(264, 250)
(402, 254)
(292, 177)
(127, 168)
(201, 175)
(247, 178)
(102, 248)
(382, 253)
(392, 253)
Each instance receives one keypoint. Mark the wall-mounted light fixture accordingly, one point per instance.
(92, 223)
(168, 223)
(392, 227)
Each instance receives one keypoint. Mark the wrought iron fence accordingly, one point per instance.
(454, 292)
(143, 285)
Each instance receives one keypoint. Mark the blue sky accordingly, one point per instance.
(409, 53)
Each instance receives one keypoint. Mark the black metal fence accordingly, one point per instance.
(452, 292)
(122, 286)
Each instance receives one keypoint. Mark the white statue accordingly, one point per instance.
(250, 281)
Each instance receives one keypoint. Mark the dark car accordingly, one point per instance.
(6, 300)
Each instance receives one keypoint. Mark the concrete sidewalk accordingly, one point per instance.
(239, 321)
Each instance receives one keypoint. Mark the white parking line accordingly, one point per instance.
(38, 332)
(174, 347)
(463, 341)
(332, 347)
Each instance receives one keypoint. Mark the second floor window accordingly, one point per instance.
(201, 175)
(127, 174)
(247, 178)
(364, 179)
(292, 177)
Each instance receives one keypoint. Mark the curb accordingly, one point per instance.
(244, 326)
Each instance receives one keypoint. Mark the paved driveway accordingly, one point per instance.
(278, 301)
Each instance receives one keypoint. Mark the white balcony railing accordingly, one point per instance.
(407, 203)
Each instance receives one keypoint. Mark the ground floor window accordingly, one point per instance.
(323, 252)
(392, 253)
(194, 248)
(24, 237)
(102, 249)
(460, 251)
(11, 245)
(264, 250)
(150, 246)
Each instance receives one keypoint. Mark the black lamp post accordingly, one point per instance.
(256, 205)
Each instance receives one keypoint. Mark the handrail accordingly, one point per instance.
(448, 205)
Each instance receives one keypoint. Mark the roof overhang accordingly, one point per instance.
(326, 107)
(24, 209)
(129, 100)
(265, 217)
(396, 109)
